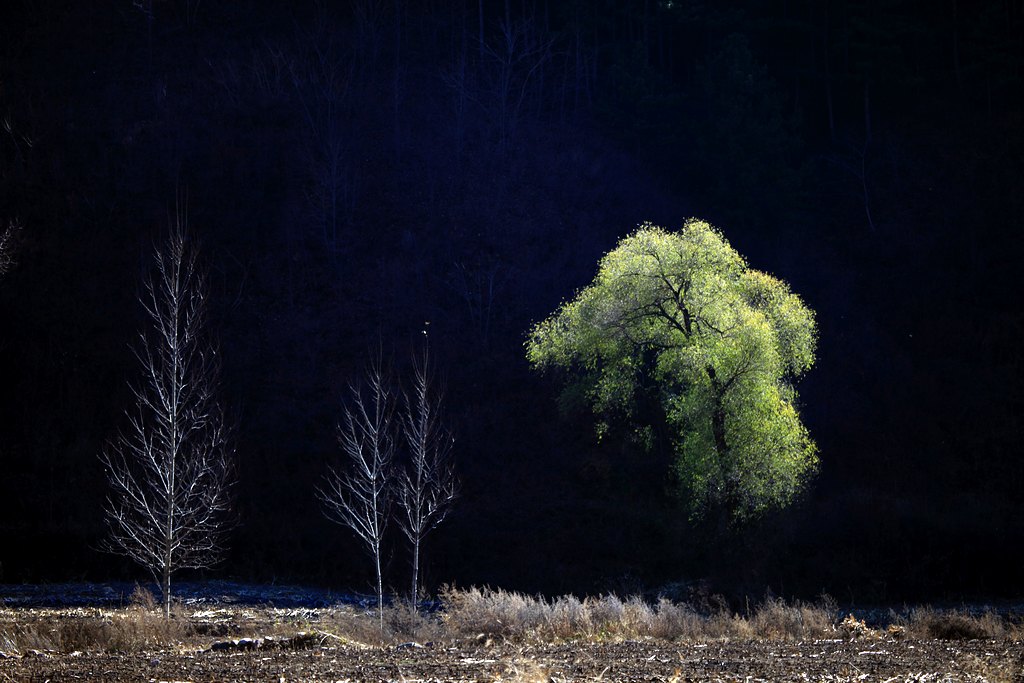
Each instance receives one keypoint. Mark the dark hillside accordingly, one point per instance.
(356, 169)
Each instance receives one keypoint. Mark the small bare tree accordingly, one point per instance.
(7, 247)
(358, 496)
(427, 486)
(171, 470)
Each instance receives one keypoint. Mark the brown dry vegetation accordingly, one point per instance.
(481, 634)
(481, 615)
(517, 617)
(926, 623)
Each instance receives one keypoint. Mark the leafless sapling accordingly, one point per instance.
(358, 495)
(427, 486)
(171, 470)
(7, 247)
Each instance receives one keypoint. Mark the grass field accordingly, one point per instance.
(484, 635)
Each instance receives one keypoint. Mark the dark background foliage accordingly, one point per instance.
(356, 169)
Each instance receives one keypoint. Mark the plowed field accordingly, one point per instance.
(825, 660)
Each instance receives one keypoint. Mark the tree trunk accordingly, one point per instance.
(415, 572)
(480, 16)
(718, 415)
(730, 495)
(718, 428)
(867, 110)
(826, 44)
(864, 186)
(956, 50)
(398, 81)
(165, 591)
(380, 591)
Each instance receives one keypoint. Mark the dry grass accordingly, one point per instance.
(140, 626)
(525, 670)
(776, 620)
(482, 615)
(931, 624)
(402, 623)
(513, 616)
(500, 614)
(133, 629)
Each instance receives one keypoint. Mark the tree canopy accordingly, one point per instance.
(723, 344)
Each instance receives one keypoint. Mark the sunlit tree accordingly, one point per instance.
(427, 486)
(359, 494)
(721, 342)
(171, 469)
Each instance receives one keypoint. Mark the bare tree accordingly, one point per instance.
(7, 247)
(517, 62)
(172, 469)
(427, 486)
(323, 80)
(359, 495)
(480, 284)
(855, 163)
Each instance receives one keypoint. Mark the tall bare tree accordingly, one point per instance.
(359, 494)
(427, 486)
(171, 469)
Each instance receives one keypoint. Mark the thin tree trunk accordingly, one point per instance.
(398, 80)
(831, 114)
(165, 588)
(828, 81)
(988, 91)
(415, 571)
(956, 50)
(646, 28)
(864, 185)
(480, 16)
(867, 110)
(380, 592)
(175, 434)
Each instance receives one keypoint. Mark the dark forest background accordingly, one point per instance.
(356, 169)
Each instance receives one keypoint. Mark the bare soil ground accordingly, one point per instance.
(824, 660)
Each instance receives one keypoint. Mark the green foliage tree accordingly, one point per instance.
(723, 344)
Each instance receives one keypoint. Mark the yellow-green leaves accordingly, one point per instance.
(722, 342)
(792, 320)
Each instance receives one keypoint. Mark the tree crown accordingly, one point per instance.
(720, 343)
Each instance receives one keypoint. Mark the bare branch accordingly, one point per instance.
(427, 487)
(171, 469)
(7, 238)
(358, 495)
